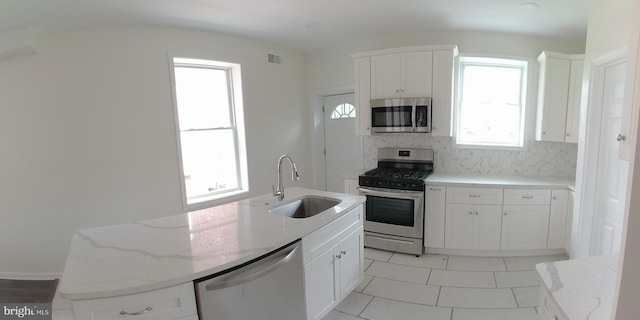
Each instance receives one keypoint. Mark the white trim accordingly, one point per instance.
(495, 253)
(30, 275)
(406, 49)
(584, 211)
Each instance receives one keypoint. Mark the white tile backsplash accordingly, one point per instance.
(539, 158)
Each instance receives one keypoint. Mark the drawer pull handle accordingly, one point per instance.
(527, 197)
(124, 313)
(474, 196)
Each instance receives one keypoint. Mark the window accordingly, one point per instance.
(491, 102)
(210, 126)
(344, 110)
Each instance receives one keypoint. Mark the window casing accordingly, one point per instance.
(491, 103)
(210, 129)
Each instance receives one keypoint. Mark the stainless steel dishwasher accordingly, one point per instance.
(268, 288)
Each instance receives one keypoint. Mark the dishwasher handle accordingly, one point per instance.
(268, 264)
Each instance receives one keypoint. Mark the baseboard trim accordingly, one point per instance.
(29, 276)
(496, 253)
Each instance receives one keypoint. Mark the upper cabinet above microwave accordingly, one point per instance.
(409, 72)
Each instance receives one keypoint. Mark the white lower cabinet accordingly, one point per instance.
(548, 309)
(495, 219)
(525, 227)
(335, 255)
(473, 227)
(171, 303)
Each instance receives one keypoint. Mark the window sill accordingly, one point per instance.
(214, 200)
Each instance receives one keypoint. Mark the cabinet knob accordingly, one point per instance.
(505, 213)
(342, 253)
(568, 134)
(470, 212)
(620, 137)
(476, 213)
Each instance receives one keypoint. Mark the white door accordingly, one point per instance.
(343, 149)
(611, 179)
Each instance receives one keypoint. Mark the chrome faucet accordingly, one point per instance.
(279, 192)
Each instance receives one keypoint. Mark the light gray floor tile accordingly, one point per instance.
(398, 272)
(367, 263)
(526, 263)
(514, 279)
(476, 298)
(403, 291)
(461, 263)
(335, 315)
(527, 297)
(376, 254)
(364, 283)
(433, 261)
(354, 303)
(384, 309)
(467, 279)
(495, 314)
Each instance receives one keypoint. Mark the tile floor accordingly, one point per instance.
(439, 287)
(398, 286)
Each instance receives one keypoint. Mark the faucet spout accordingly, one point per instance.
(279, 191)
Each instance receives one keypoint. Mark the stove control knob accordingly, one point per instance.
(391, 184)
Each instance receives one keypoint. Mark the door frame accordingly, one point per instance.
(584, 215)
(316, 101)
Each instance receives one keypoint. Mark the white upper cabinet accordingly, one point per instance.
(559, 92)
(424, 71)
(400, 75)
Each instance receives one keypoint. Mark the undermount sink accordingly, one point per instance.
(305, 207)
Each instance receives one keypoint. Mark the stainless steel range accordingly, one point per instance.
(394, 217)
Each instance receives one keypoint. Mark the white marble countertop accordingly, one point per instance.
(455, 179)
(583, 288)
(136, 257)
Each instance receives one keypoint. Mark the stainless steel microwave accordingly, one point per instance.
(401, 115)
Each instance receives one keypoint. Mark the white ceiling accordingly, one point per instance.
(305, 24)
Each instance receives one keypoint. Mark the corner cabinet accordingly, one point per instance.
(423, 71)
(559, 96)
(333, 263)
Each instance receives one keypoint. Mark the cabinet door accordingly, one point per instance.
(459, 226)
(416, 74)
(573, 103)
(553, 90)
(351, 258)
(434, 217)
(363, 95)
(442, 95)
(558, 219)
(486, 227)
(525, 227)
(385, 76)
(321, 276)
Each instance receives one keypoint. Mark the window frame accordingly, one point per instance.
(235, 93)
(525, 65)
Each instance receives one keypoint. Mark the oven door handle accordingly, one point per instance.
(416, 195)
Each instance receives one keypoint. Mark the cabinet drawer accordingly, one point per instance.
(163, 304)
(328, 236)
(474, 195)
(526, 197)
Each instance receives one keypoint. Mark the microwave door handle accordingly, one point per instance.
(429, 115)
(414, 115)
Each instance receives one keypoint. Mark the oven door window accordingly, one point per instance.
(390, 210)
(391, 117)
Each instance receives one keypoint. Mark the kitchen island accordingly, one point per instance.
(131, 258)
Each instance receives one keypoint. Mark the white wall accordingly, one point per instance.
(87, 132)
(333, 68)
